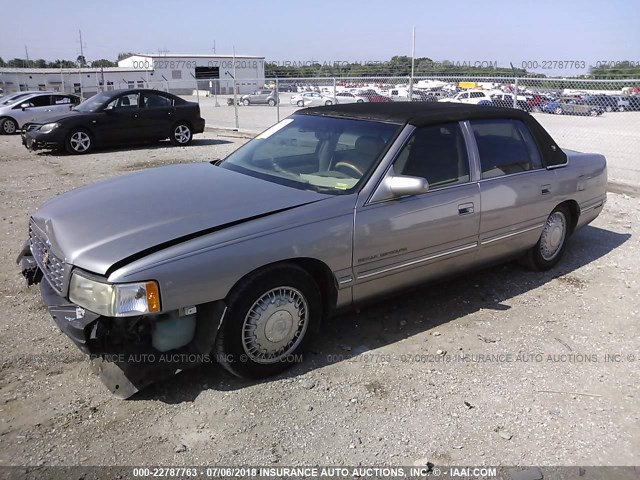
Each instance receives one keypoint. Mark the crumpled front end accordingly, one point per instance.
(128, 353)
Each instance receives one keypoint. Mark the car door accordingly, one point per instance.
(156, 115)
(119, 122)
(31, 108)
(516, 192)
(60, 104)
(407, 240)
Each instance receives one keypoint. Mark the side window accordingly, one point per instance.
(437, 153)
(505, 147)
(127, 101)
(61, 100)
(155, 101)
(477, 94)
(39, 101)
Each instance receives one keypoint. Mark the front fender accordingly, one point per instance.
(205, 269)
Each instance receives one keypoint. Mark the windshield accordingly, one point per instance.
(325, 154)
(13, 98)
(94, 103)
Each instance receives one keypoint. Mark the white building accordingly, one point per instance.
(180, 74)
(214, 73)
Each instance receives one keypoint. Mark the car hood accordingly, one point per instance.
(61, 117)
(96, 226)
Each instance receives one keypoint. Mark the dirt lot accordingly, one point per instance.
(500, 367)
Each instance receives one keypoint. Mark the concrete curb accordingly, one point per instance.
(230, 132)
(623, 188)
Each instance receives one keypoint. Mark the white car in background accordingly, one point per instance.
(312, 99)
(469, 96)
(348, 97)
(37, 107)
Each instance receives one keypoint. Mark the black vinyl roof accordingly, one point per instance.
(421, 114)
(415, 113)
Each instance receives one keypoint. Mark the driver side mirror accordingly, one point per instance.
(402, 185)
(24, 106)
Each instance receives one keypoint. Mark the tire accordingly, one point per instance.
(360, 101)
(79, 142)
(253, 312)
(593, 113)
(300, 103)
(535, 109)
(272, 102)
(549, 249)
(328, 102)
(621, 108)
(558, 111)
(8, 126)
(609, 108)
(246, 102)
(181, 134)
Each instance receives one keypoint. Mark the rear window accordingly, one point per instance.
(505, 147)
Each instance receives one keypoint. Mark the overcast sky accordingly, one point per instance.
(503, 31)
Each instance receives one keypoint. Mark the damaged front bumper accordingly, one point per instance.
(124, 365)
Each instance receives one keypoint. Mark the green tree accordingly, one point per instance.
(103, 63)
(2, 63)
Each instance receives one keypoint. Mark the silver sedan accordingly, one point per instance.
(37, 107)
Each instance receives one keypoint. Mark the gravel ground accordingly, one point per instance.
(499, 367)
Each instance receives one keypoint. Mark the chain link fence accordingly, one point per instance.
(586, 115)
(581, 114)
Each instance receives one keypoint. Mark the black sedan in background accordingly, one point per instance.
(118, 117)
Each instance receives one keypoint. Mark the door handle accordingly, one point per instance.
(465, 208)
(546, 189)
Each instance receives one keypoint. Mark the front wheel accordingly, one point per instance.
(270, 317)
(300, 103)
(272, 102)
(558, 111)
(181, 134)
(552, 243)
(328, 102)
(246, 102)
(79, 142)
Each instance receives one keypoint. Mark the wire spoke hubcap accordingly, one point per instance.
(275, 325)
(182, 134)
(553, 235)
(80, 142)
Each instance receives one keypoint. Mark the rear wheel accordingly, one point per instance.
(558, 111)
(8, 126)
(300, 103)
(269, 320)
(78, 142)
(621, 108)
(181, 134)
(609, 108)
(593, 113)
(246, 102)
(328, 102)
(552, 243)
(272, 102)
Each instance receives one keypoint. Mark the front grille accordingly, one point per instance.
(52, 267)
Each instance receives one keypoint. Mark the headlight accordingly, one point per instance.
(114, 300)
(47, 127)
